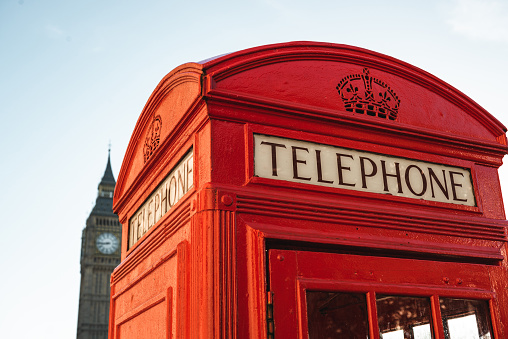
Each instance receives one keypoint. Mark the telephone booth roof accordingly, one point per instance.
(256, 181)
(314, 82)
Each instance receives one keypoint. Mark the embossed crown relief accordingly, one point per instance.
(153, 136)
(363, 94)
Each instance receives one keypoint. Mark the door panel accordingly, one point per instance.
(329, 295)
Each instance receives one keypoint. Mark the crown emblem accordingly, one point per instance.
(364, 94)
(153, 136)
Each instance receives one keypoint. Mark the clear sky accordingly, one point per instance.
(75, 75)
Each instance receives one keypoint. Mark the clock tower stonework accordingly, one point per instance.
(100, 254)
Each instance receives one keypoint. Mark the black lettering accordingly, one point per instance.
(298, 161)
(164, 198)
(157, 205)
(140, 224)
(365, 175)
(189, 180)
(150, 213)
(396, 175)
(454, 184)
(341, 168)
(133, 235)
(180, 183)
(172, 192)
(408, 181)
(443, 188)
(319, 169)
(274, 155)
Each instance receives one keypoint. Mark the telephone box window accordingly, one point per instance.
(463, 318)
(337, 315)
(401, 317)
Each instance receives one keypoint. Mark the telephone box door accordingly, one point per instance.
(338, 295)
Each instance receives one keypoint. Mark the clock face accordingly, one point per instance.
(107, 243)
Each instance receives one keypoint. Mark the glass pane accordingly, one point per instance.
(337, 315)
(403, 317)
(464, 318)
(422, 331)
(399, 334)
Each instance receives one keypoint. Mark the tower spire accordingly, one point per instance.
(104, 202)
(108, 178)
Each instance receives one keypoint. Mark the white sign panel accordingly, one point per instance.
(167, 194)
(325, 165)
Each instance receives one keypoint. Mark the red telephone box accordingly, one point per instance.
(310, 190)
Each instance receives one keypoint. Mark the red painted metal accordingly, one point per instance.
(202, 270)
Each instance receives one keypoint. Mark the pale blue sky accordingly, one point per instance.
(69, 68)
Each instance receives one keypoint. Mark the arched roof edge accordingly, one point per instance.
(227, 65)
(188, 72)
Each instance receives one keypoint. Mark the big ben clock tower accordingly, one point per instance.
(100, 254)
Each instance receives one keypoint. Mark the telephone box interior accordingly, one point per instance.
(310, 190)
